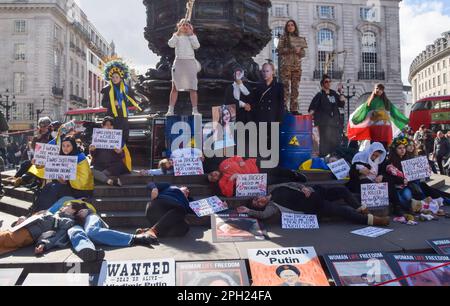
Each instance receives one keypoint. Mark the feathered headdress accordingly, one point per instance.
(116, 66)
(401, 140)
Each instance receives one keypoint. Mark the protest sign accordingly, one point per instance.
(61, 167)
(298, 221)
(422, 269)
(42, 151)
(372, 232)
(251, 185)
(441, 246)
(297, 266)
(212, 273)
(138, 273)
(208, 206)
(187, 166)
(107, 139)
(10, 277)
(236, 228)
(340, 169)
(360, 269)
(27, 222)
(56, 279)
(375, 195)
(416, 168)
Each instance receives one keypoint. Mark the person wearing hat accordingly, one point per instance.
(118, 96)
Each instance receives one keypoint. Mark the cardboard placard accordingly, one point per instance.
(25, 223)
(236, 228)
(212, 273)
(340, 169)
(375, 195)
(138, 273)
(251, 185)
(299, 221)
(416, 168)
(372, 232)
(207, 207)
(188, 166)
(42, 151)
(107, 139)
(61, 167)
(297, 266)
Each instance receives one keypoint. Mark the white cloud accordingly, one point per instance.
(420, 25)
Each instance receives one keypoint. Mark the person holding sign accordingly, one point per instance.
(81, 187)
(47, 231)
(320, 201)
(395, 175)
(108, 165)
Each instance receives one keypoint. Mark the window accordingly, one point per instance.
(58, 31)
(434, 82)
(369, 55)
(77, 90)
(438, 66)
(325, 46)
(71, 88)
(19, 82)
(77, 71)
(15, 112)
(71, 66)
(444, 78)
(82, 73)
(19, 52)
(276, 34)
(20, 26)
(369, 13)
(439, 80)
(279, 10)
(445, 92)
(82, 92)
(444, 64)
(30, 111)
(325, 12)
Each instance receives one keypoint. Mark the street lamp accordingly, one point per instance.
(4, 102)
(349, 97)
(40, 111)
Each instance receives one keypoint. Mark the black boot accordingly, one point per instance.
(90, 255)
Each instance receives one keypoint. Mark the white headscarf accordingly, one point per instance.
(366, 157)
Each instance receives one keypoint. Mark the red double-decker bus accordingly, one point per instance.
(433, 112)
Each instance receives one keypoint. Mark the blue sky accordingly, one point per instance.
(421, 22)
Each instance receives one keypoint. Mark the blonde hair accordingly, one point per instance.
(182, 21)
(271, 65)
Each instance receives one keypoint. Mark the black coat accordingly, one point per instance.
(326, 112)
(269, 103)
(107, 104)
(241, 114)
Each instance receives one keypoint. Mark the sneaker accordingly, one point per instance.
(196, 113)
(169, 113)
(117, 182)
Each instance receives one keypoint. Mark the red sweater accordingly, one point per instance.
(232, 166)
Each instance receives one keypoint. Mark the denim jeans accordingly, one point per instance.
(405, 197)
(94, 231)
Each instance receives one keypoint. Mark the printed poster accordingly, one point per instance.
(236, 228)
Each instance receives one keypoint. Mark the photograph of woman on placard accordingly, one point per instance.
(224, 118)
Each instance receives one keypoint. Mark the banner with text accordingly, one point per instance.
(107, 139)
(251, 185)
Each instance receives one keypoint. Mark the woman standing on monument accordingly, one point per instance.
(185, 67)
(291, 49)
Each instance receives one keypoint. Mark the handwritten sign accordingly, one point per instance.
(297, 221)
(27, 222)
(340, 169)
(375, 195)
(372, 232)
(138, 273)
(251, 185)
(207, 207)
(188, 166)
(61, 167)
(42, 151)
(416, 168)
(107, 139)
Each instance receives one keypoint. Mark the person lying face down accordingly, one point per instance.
(320, 201)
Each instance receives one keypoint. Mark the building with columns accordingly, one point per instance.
(366, 32)
(430, 71)
(50, 59)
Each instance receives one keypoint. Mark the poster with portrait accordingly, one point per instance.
(224, 119)
(236, 228)
(296, 266)
(212, 273)
(421, 270)
(360, 269)
(441, 246)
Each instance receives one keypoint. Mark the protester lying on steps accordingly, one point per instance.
(92, 230)
(47, 232)
(167, 210)
(320, 201)
(165, 167)
(108, 165)
(230, 168)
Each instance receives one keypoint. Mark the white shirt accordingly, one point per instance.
(184, 46)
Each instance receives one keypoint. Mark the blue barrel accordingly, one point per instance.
(191, 139)
(296, 143)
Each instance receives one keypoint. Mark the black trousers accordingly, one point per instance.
(167, 218)
(440, 162)
(330, 139)
(121, 123)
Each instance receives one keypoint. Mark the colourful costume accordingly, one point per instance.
(372, 121)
